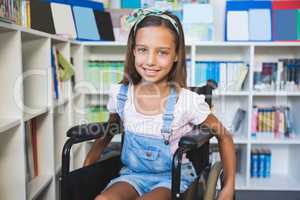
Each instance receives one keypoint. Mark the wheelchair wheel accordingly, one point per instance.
(210, 193)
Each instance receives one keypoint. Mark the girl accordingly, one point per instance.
(156, 110)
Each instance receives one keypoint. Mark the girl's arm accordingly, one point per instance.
(227, 152)
(100, 143)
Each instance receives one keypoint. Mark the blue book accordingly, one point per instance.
(203, 68)
(82, 3)
(85, 23)
(209, 71)
(54, 75)
(218, 72)
(246, 5)
(197, 73)
(130, 3)
(284, 25)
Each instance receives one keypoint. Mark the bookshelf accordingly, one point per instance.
(26, 79)
(24, 51)
(226, 102)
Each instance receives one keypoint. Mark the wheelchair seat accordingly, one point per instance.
(87, 182)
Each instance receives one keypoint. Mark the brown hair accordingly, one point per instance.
(177, 74)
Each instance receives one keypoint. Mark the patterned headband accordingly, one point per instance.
(138, 15)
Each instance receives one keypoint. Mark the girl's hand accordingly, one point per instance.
(226, 194)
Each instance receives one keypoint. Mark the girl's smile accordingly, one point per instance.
(155, 53)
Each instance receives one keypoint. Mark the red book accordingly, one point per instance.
(286, 5)
(34, 146)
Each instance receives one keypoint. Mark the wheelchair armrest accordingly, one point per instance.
(84, 132)
(196, 138)
(199, 136)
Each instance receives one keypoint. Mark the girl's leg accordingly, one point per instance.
(118, 191)
(160, 193)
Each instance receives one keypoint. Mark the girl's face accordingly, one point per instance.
(155, 53)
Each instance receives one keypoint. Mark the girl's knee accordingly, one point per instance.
(102, 197)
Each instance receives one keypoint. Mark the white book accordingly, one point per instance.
(223, 78)
(237, 26)
(260, 24)
(197, 13)
(63, 20)
(230, 76)
(241, 76)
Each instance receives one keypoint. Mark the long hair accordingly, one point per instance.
(177, 74)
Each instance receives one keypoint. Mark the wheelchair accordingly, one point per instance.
(87, 182)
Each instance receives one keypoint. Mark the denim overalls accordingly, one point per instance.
(147, 160)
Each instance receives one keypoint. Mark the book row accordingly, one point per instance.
(282, 75)
(227, 75)
(272, 122)
(260, 162)
(262, 20)
(62, 71)
(101, 74)
(97, 113)
(10, 11)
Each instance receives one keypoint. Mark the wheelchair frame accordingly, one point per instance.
(195, 145)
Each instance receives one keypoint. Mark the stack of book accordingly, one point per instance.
(229, 76)
(272, 122)
(11, 11)
(289, 74)
(264, 20)
(283, 75)
(260, 163)
(264, 77)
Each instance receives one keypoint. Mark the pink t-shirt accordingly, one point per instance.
(190, 109)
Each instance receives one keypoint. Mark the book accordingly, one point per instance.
(55, 80)
(284, 20)
(197, 13)
(238, 119)
(104, 25)
(238, 22)
(85, 23)
(29, 152)
(41, 16)
(31, 149)
(241, 77)
(95, 5)
(260, 24)
(63, 20)
(66, 68)
(237, 26)
(130, 3)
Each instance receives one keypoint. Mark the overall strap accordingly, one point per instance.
(121, 100)
(168, 116)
